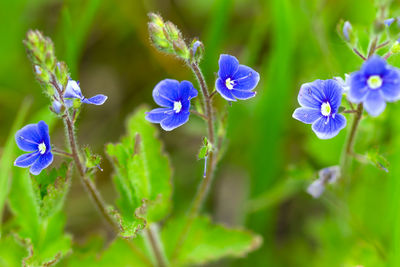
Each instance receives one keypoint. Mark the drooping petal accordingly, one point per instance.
(307, 115)
(26, 160)
(95, 100)
(243, 95)
(326, 128)
(358, 87)
(375, 65)
(316, 188)
(245, 78)
(227, 66)
(391, 85)
(374, 103)
(311, 94)
(333, 93)
(166, 92)
(174, 121)
(223, 91)
(158, 114)
(72, 90)
(43, 129)
(28, 138)
(42, 162)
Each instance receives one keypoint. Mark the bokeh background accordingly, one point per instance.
(260, 183)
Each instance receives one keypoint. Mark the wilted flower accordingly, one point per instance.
(320, 102)
(34, 138)
(325, 176)
(374, 84)
(235, 81)
(174, 98)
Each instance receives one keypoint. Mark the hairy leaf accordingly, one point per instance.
(207, 242)
(142, 176)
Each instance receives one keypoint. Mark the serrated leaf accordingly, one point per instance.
(51, 188)
(207, 242)
(44, 238)
(142, 176)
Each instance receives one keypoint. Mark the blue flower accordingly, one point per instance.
(320, 102)
(73, 91)
(375, 84)
(389, 22)
(235, 81)
(34, 138)
(174, 98)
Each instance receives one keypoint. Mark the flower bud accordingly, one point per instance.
(395, 47)
(196, 51)
(181, 49)
(172, 32)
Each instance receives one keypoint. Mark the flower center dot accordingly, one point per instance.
(42, 148)
(229, 84)
(326, 109)
(374, 82)
(177, 106)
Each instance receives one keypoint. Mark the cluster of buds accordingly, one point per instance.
(167, 38)
(47, 69)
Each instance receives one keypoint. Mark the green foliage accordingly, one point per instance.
(378, 160)
(206, 242)
(204, 149)
(142, 176)
(40, 228)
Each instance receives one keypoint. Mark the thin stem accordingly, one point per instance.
(152, 237)
(201, 115)
(358, 53)
(62, 153)
(382, 45)
(350, 111)
(205, 183)
(213, 93)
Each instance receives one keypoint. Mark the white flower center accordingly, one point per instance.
(177, 106)
(42, 148)
(326, 109)
(374, 82)
(229, 84)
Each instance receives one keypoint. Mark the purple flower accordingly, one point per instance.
(375, 84)
(174, 98)
(325, 176)
(320, 102)
(235, 81)
(389, 22)
(34, 138)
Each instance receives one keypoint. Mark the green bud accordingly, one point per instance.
(156, 19)
(379, 26)
(196, 51)
(346, 32)
(172, 32)
(205, 148)
(181, 49)
(395, 48)
(61, 72)
(92, 160)
(158, 38)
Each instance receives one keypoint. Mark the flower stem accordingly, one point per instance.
(211, 163)
(153, 238)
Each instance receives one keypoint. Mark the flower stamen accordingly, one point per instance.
(229, 83)
(177, 106)
(374, 82)
(326, 109)
(42, 148)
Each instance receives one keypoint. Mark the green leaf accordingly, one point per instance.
(378, 160)
(8, 156)
(43, 236)
(207, 242)
(142, 176)
(51, 188)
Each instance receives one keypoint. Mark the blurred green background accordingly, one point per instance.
(260, 183)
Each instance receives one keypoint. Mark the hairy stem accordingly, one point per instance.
(205, 183)
(153, 238)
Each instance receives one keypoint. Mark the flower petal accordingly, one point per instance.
(307, 115)
(95, 100)
(43, 162)
(316, 188)
(358, 87)
(72, 90)
(245, 78)
(223, 91)
(174, 121)
(43, 129)
(333, 92)
(326, 128)
(166, 92)
(374, 103)
(158, 114)
(375, 65)
(391, 85)
(243, 95)
(186, 92)
(28, 138)
(227, 66)
(26, 160)
(311, 94)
